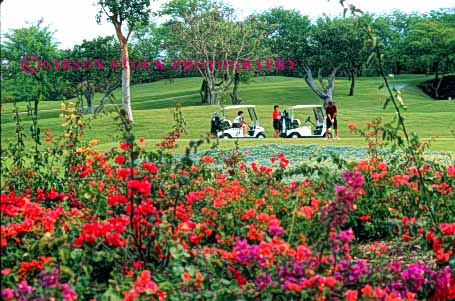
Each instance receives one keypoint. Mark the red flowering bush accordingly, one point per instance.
(141, 224)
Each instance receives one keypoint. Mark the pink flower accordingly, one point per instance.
(451, 170)
(7, 294)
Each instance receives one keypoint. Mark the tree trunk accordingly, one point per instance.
(325, 93)
(235, 90)
(89, 96)
(211, 98)
(81, 103)
(204, 92)
(211, 90)
(126, 95)
(397, 68)
(351, 90)
(436, 71)
(438, 80)
(106, 97)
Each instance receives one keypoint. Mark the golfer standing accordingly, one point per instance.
(331, 121)
(276, 117)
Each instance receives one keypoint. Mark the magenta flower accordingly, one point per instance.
(262, 281)
(7, 294)
(276, 230)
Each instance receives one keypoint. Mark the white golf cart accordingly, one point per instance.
(291, 127)
(221, 126)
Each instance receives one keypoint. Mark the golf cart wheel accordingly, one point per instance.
(227, 136)
(295, 136)
(260, 136)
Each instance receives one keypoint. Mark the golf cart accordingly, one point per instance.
(221, 126)
(291, 127)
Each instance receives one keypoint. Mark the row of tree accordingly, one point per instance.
(209, 30)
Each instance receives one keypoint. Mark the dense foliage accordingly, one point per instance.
(137, 223)
(411, 43)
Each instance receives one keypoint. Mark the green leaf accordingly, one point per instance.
(386, 102)
(111, 295)
(76, 254)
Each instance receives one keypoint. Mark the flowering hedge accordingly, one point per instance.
(141, 224)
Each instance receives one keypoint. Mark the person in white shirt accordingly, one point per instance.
(240, 122)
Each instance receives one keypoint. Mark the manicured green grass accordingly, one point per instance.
(154, 103)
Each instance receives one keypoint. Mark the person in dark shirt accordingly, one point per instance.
(331, 112)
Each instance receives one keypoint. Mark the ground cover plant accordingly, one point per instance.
(138, 223)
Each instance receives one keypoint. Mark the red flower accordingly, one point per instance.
(351, 295)
(151, 167)
(137, 264)
(141, 186)
(194, 196)
(144, 283)
(367, 290)
(207, 159)
(294, 287)
(125, 146)
(186, 277)
(365, 218)
(117, 199)
(284, 163)
(120, 159)
(451, 170)
(352, 126)
(447, 229)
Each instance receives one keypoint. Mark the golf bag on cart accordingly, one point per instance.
(285, 123)
(215, 124)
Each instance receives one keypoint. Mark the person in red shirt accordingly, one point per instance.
(331, 112)
(276, 117)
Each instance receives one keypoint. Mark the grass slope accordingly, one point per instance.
(153, 105)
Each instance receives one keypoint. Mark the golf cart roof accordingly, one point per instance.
(305, 107)
(238, 107)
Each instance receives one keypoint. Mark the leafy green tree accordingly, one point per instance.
(392, 29)
(433, 40)
(328, 44)
(148, 43)
(38, 40)
(85, 82)
(148, 40)
(356, 49)
(208, 31)
(287, 34)
(252, 34)
(133, 14)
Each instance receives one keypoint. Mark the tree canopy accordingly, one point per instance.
(203, 30)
